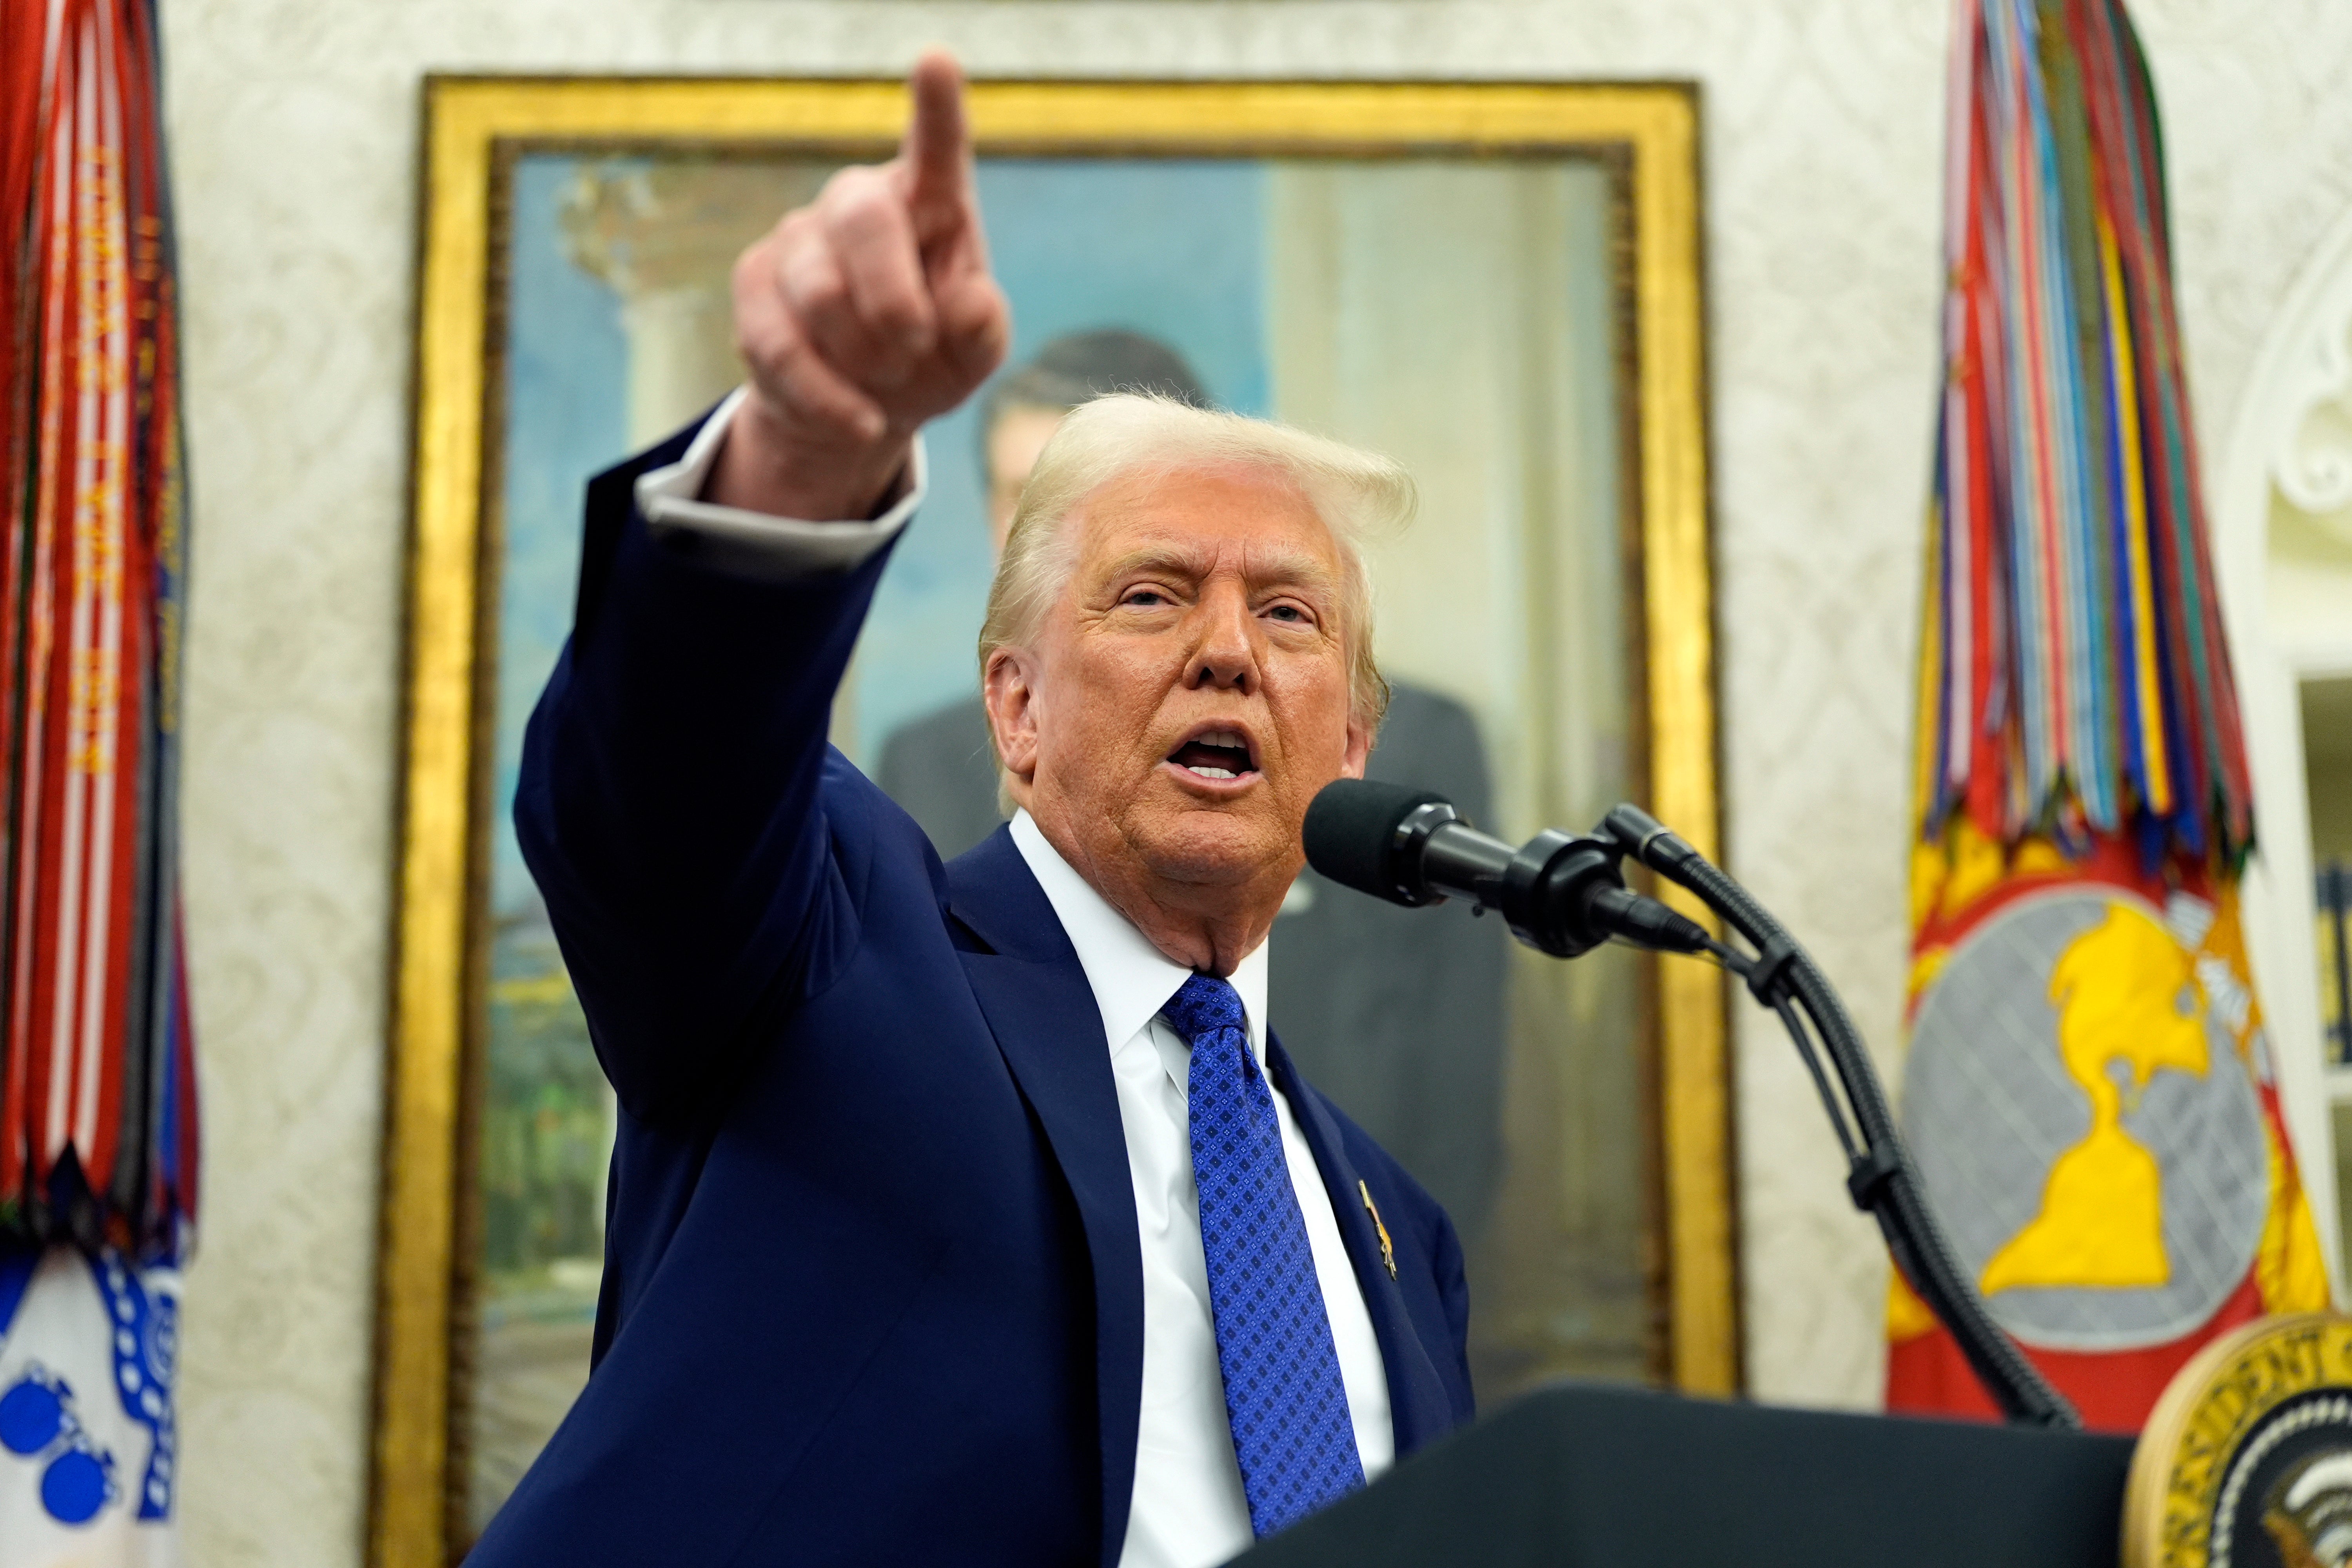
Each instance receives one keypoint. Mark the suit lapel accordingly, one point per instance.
(1038, 1005)
(1418, 1407)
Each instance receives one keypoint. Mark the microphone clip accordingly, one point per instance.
(1555, 892)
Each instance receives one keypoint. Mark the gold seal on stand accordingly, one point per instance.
(2247, 1459)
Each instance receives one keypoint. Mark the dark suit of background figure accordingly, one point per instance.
(1397, 1013)
(873, 1286)
(942, 768)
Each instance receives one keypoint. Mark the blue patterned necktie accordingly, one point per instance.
(1292, 1432)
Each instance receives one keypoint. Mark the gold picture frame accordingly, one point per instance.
(473, 126)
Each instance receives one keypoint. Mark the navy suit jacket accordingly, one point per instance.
(873, 1291)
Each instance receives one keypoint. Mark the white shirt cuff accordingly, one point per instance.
(756, 543)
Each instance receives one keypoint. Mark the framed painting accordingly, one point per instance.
(1497, 284)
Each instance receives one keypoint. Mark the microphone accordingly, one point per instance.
(1562, 893)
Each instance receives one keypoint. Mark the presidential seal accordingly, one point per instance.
(2247, 1460)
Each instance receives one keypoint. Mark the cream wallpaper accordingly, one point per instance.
(295, 128)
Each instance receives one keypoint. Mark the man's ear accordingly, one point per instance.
(1359, 751)
(1008, 688)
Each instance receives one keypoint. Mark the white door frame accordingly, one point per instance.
(2292, 440)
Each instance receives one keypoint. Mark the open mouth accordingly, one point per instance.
(1215, 755)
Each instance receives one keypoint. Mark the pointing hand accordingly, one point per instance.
(861, 316)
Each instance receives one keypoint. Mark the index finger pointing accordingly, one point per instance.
(937, 150)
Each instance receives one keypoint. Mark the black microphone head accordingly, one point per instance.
(1351, 830)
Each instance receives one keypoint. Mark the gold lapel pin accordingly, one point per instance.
(1388, 1253)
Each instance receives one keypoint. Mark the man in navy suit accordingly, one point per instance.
(965, 1213)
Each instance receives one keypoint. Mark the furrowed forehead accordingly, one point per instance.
(1148, 523)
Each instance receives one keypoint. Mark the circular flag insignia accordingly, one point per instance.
(2087, 1126)
(2247, 1460)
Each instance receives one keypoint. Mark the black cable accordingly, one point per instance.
(1811, 1058)
(1765, 984)
(1730, 958)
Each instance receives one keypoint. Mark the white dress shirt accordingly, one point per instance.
(755, 543)
(1188, 1509)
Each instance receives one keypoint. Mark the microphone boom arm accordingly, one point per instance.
(1880, 1177)
(1565, 894)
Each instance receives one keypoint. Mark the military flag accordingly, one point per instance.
(97, 1152)
(2089, 1092)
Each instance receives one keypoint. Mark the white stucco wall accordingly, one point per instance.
(295, 131)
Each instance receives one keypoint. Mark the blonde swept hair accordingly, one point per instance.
(1359, 496)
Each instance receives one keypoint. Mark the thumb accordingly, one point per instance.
(937, 154)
